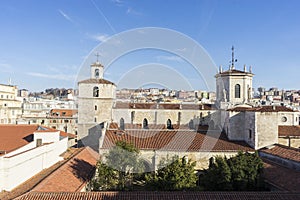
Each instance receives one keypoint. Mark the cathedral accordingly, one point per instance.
(197, 131)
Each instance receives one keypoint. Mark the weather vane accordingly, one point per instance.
(232, 59)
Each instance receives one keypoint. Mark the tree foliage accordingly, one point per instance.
(117, 173)
(173, 174)
(218, 175)
(238, 173)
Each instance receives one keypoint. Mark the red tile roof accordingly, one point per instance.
(151, 195)
(263, 109)
(167, 106)
(288, 131)
(281, 177)
(283, 152)
(73, 175)
(15, 136)
(175, 140)
(98, 81)
(68, 112)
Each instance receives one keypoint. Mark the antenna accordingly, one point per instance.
(232, 58)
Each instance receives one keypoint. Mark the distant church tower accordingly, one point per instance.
(234, 87)
(95, 101)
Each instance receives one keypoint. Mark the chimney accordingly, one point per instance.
(245, 70)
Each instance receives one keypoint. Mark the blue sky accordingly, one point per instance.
(43, 44)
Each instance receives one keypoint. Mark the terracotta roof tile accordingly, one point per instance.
(283, 152)
(158, 195)
(288, 130)
(166, 106)
(262, 109)
(67, 112)
(73, 175)
(99, 81)
(15, 136)
(176, 140)
(284, 178)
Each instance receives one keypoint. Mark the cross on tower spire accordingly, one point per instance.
(97, 55)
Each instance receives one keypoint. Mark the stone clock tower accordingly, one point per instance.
(95, 101)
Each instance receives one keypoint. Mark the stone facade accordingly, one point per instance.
(95, 102)
(234, 86)
(10, 106)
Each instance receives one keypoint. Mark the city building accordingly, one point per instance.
(10, 105)
(29, 147)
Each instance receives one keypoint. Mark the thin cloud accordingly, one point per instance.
(99, 37)
(53, 76)
(66, 16)
(118, 2)
(182, 49)
(170, 58)
(133, 12)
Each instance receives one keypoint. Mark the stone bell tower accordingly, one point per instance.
(234, 87)
(95, 101)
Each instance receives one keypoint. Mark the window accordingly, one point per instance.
(283, 119)
(54, 121)
(96, 92)
(132, 116)
(96, 73)
(250, 134)
(96, 108)
(237, 91)
(63, 113)
(145, 124)
(122, 124)
(66, 121)
(39, 142)
(191, 124)
(169, 124)
(95, 119)
(179, 117)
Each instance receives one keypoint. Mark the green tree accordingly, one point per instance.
(124, 158)
(217, 177)
(173, 174)
(117, 172)
(105, 178)
(246, 169)
(241, 172)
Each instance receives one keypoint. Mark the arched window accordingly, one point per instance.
(191, 124)
(96, 92)
(96, 73)
(179, 117)
(169, 124)
(237, 91)
(145, 124)
(132, 116)
(96, 107)
(122, 124)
